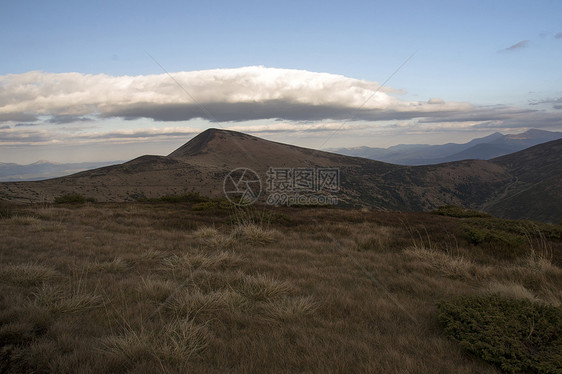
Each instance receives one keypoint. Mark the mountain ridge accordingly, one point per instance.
(202, 164)
(485, 148)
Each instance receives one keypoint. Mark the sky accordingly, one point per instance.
(113, 80)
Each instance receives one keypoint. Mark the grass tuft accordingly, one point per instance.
(177, 341)
(510, 290)
(56, 301)
(254, 234)
(211, 237)
(192, 261)
(450, 266)
(291, 308)
(263, 287)
(195, 303)
(117, 265)
(26, 274)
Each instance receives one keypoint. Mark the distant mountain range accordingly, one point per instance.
(523, 185)
(10, 172)
(485, 148)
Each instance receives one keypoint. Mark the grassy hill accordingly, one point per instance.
(193, 287)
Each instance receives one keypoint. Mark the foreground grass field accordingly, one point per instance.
(181, 287)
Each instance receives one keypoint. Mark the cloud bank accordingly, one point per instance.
(48, 108)
(222, 95)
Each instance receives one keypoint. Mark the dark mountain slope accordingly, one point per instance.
(202, 164)
(536, 192)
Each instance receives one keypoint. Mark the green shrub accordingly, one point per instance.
(509, 239)
(522, 229)
(212, 204)
(515, 334)
(459, 212)
(493, 236)
(205, 206)
(5, 212)
(192, 197)
(73, 198)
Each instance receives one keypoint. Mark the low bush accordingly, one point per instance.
(459, 212)
(208, 205)
(192, 197)
(515, 334)
(73, 198)
(5, 212)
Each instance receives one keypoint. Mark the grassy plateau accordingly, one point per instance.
(175, 286)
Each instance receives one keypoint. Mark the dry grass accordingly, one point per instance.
(189, 262)
(117, 265)
(26, 274)
(24, 220)
(210, 237)
(291, 308)
(512, 290)
(57, 301)
(450, 266)
(192, 304)
(254, 234)
(162, 288)
(177, 341)
(263, 287)
(206, 232)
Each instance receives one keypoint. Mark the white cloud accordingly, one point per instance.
(225, 94)
(74, 108)
(14, 136)
(295, 127)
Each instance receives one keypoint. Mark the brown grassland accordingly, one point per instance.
(162, 287)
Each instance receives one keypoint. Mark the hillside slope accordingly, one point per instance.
(536, 192)
(202, 164)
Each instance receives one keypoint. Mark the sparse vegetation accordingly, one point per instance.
(5, 212)
(26, 274)
(459, 212)
(191, 197)
(73, 198)
(160, 287)
(214, 204)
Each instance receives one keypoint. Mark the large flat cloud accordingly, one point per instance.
(47, 108)
(221, 95)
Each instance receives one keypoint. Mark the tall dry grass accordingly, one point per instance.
(163, 288)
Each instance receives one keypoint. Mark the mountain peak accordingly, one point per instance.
(201, 143)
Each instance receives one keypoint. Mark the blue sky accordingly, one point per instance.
(494, 59)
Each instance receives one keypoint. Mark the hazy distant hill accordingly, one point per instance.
(202, 164)
(485, 148)
(10, 172)
(536, 192)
